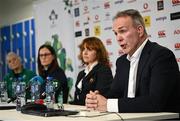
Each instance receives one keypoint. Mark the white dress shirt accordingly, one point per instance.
(112, 104)
(86, 71)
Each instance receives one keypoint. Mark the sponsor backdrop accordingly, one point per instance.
(71, 21)
(94, 18)
(65, 23)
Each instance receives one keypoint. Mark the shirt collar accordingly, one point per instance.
(137, 53)
(90, 68)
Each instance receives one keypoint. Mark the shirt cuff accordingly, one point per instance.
(112, 105)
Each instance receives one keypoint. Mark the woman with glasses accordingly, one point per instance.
(48, 67)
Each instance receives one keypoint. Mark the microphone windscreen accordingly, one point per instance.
(37, 78)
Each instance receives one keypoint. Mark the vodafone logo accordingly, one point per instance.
(145, 6)
(96, 17)
(161, 33)
(177, 46)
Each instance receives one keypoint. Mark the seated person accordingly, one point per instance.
(48, 67)
(147, 75)
(97, 74)
(16, 71)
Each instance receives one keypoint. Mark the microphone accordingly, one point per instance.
(28, 87)
(15, 97)
(41, 82)
(37, 78)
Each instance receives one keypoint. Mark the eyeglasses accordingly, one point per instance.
(45, 55)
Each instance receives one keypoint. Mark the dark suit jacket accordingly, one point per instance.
(99, 78)
(157, 83)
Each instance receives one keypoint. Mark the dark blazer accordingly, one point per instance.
(99, 78)
(157, 83)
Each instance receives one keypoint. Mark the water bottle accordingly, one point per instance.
(3, 92)
(13, 91)
(18, 101)
(35, 90)
(50, 93)
(60, 101)
(20, 94)
(56, 85)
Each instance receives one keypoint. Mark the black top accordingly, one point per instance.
(59, 75)
(99, 78)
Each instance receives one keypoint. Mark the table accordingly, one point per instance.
(85, 115)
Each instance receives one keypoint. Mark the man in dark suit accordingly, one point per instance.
(147, 76)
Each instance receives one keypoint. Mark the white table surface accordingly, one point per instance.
(84, 115)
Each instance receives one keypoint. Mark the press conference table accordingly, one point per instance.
(85, 115)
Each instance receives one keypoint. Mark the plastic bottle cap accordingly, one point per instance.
(49, 78)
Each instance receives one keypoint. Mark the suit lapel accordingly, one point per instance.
(91, 73)
(143, 59)
(80, 76)
(126, 76)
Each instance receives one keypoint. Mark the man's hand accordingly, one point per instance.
(96, 101)
(91, 100)
(102, 103)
